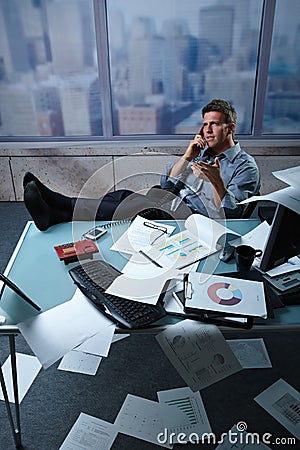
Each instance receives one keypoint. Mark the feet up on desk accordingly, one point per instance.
(43, 214)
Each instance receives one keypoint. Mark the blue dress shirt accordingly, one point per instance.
(241, 178)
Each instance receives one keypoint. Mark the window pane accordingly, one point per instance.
(168, 58)
(49, 82)
(282, 112)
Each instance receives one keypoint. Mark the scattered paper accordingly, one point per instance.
(194, 417)
(119, 337)
(289, 176)
(251, 353)
(80, 362)
(288, 197)
(57, 331)
(282, 401)
(90, 433)
(100, 343)
(145, 290)
(28, 368)
(256, 238)
(199, 353)
(143, 419)
(240, 440)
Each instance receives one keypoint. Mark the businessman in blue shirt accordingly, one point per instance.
(211, 178)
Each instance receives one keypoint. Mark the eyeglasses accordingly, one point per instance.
(213, 124)
(158, 231)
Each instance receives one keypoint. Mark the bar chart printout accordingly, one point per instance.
(190, 404)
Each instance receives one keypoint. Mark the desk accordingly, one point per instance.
(35, 267)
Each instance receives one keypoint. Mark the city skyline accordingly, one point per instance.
(53, 75)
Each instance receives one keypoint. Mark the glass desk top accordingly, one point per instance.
(37, 270)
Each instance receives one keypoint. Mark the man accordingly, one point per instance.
(211, 178)
(217, 174)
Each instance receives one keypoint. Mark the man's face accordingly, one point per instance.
(217, 133)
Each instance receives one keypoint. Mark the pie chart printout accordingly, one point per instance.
(224, 293)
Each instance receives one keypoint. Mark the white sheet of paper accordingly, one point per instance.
(28, 368)
(119, 337)
(227, 295)
(289, 176)
(90, 433)
(100, 343)
(251, 353)
(240, 440)
(282, 401)
(80, 362)
(54, 333)
(199, 353)
(288, 197)
(256, 238)
(146, 290)
(143, 419)
(194, 418)
(139, 236)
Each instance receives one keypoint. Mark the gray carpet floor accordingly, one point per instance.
(138, 366)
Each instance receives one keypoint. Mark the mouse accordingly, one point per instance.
(227, 254)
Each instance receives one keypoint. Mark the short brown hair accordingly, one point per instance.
(221, 106)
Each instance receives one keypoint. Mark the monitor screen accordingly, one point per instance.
(283, 240)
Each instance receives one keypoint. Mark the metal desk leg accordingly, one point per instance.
(16, 430)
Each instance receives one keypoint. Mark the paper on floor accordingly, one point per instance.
(88, 433)
(28, 368)
(199, 352)
(54, 333)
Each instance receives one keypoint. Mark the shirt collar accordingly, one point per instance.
(231, 153)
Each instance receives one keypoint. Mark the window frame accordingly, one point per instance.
(102, 44)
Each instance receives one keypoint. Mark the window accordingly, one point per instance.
(282, 112)
(49, 82)
(167, 59)
(115, 69)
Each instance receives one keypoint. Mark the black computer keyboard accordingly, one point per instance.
(94, 277)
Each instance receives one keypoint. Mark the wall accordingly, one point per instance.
(94, 168)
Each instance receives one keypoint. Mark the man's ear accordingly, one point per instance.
(231, 128)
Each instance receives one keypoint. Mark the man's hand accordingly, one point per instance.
(211, 173)
(195, 145)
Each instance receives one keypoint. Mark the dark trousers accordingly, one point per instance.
(125, 204)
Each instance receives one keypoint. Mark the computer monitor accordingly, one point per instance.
(283, 240)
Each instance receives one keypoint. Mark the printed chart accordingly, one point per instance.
(224, 294)
(183, 247)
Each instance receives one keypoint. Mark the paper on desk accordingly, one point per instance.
(256, 238)
(80, 362)
(147, 420)
(289, 176)
(251, 353)
(90, 433)
(194, 419)
(146, 290)
(288, 197)
(100, 343)
(199, 352)
(54, 333)
(138, 235)
(28, 368)
(282, 401)
(226, 295)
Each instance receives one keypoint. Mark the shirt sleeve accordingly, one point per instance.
(244, 184)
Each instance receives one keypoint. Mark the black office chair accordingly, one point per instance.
(249, 210)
